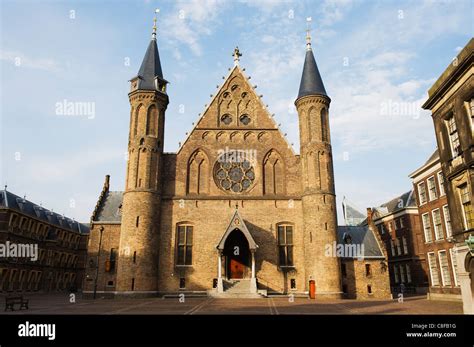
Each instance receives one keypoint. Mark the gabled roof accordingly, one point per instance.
(401, 202)
(237, 222)
(311, 81)
(203, 122)
(110, 208)
(361, 235)
(432, 161)
(14, 202)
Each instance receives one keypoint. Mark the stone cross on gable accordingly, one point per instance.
(236, 55)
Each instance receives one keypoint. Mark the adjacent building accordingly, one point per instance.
(398, 225)
(451, 102)
(364, 266)
(39, 250)
(435, 220)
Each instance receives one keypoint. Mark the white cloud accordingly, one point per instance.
(20, 60)
(44, 169)
(333, 11)
(189, 21)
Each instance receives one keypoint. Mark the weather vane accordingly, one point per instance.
(236, 55)
(153, 35)
(308, 33)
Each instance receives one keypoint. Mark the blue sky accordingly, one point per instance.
(374, 57)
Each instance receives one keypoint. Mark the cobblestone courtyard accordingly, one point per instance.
(60, 304)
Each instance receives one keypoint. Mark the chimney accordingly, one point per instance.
(107, 182)
(369, 215)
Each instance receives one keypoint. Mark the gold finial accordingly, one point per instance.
(153, 35)
(236, 55)
(308, 33)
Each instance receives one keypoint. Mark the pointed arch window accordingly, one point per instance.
(324, 125)
(273, 173)
(198, 173)
(152, 121)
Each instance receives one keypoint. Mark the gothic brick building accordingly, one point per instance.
(234, 207)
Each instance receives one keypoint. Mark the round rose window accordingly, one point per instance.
(233, 172)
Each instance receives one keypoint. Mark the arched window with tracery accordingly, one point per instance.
(198, 173)
(273, 173)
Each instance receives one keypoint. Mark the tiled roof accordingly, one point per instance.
(110, 208)
(399, 203)
(360, 235)
(14, 202)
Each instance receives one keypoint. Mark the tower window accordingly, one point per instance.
(324, 129)
(293, 283)
(135, 257)
(285, 245)
(369, 289)
(133, 284)
(113, 258)
(182, 283)
(137, 222)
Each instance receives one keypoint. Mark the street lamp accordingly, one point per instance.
(101, 229)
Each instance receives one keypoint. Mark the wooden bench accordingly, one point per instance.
(11, 301)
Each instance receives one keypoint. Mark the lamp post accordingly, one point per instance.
(101, 229)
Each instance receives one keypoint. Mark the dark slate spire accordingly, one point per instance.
(151, 65)
(311, 81)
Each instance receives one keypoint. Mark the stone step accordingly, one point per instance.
(227, 295)
(237, 286)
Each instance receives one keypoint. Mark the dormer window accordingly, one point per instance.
(347, 239)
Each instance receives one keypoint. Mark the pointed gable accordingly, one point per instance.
(237, 222)
(237, 107)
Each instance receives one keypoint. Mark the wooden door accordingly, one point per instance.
(236, 269)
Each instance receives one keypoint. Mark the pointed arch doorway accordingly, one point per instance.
(237, 256)
(237, 248)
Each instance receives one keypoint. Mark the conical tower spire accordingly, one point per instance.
(150, 75)
(311, 81)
